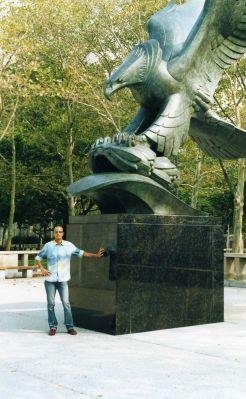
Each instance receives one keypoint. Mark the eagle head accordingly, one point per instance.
(136, 68)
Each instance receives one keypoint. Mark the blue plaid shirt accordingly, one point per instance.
(58, 259)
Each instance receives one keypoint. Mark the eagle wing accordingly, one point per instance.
(217, 40)
(170, 128)
(172, 25)
(218, 138)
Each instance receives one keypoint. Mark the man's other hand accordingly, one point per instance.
(45, 272)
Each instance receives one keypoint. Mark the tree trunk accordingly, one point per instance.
(20, 236)
(70, 148)
(239, 194)
(238, 209)
(196, 186)
(12, 197)
(40, 238)
(5, 229)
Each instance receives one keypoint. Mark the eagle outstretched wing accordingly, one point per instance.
(218, 138)
(216, 41)
(172, 25)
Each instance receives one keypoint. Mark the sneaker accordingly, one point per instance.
(72, 331)
(52, 331)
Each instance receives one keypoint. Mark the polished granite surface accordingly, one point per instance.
(163, 272)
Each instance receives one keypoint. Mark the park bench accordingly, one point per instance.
(26, 271)
(22, 261)
(235, 265)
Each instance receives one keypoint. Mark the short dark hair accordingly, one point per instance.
(58, 226)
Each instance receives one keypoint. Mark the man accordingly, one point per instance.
(58, 254)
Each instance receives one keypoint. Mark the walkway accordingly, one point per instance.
(202, 362)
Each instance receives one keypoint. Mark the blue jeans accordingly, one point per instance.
(62, 288)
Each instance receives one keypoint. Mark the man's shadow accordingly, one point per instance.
(28, 316)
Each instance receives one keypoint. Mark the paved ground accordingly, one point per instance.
(199, 362)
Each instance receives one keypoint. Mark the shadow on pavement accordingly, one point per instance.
(27, 316)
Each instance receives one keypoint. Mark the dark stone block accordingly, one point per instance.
(174, 246)
(163, 272)
(94, 320)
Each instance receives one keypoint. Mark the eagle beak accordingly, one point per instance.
(112, 85)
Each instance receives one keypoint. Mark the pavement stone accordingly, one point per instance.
(198, 362)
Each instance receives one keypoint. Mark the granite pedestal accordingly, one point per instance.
(162, 272)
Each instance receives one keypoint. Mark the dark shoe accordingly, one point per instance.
(72, 331)
(52, 331)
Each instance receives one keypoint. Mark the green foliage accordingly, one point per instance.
(55, 57)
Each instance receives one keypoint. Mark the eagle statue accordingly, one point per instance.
(173, 76)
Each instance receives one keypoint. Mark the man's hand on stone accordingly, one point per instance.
(101, 252)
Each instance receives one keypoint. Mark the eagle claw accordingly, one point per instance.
(123, 139)
(131, 153)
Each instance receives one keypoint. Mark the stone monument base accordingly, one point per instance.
(162, 272)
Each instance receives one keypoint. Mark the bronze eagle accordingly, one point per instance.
(173, 76)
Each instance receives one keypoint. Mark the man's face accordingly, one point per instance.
(58, 233)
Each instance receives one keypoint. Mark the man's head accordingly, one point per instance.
(58, 233)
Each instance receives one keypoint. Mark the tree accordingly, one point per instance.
(12, 195)
(55, 58)
(49, 48)
(231, 102)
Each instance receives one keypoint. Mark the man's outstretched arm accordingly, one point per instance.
(98, 254)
